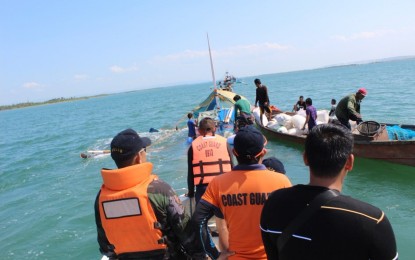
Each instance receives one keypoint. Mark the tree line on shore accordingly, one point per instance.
(51, 101)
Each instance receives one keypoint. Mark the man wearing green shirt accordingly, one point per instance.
(242, 108)
(349, 108)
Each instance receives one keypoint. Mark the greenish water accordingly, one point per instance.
(47, 191)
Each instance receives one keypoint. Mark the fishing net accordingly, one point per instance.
(368, 128)
(398, 133)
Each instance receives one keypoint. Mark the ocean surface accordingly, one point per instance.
(47, 191)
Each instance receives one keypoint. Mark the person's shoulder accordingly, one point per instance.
(360, 208)
(158, 186)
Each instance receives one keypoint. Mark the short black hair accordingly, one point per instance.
(236, 98)
(333, 101)
(327, 148)
(190, 115)
(308, 101)
(257, 81)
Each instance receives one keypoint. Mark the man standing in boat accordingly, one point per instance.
(316, 221)
(137, 215)
(262, 99)
(237, 198)
(349, 108)
(207, 157)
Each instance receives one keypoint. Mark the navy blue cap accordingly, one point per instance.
(248, 141)
(126, 144)
(273, 164)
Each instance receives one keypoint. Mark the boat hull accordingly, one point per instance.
(376, 147)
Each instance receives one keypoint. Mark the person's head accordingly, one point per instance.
(333, 101)
(273, 164)
(328, 147)
(361, 93)
(128, 148)
(190, 115)
(240, 122)
(249, 145)
(301, 98)
(207, 125)
(257, 82)
(236, 98)
(308, 102)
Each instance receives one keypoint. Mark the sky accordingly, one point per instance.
(52, 49)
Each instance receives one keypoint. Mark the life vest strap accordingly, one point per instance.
(203, 174)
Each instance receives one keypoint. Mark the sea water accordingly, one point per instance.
(47, 191)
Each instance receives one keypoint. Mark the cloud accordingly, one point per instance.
(80, 76)
(32, 85)
(227, 52)
(119, 69)
(363, 35)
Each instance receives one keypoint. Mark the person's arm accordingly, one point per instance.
(190, 175)
(383, 244)
(256, 98)
(223, 234)
(308, 114)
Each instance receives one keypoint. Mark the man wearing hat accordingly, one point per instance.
(237, 197)
(349, 108)
(137, 215)
(273, 164)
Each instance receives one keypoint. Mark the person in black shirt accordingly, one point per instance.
(300, 104)
(262, 99)
(340, 227)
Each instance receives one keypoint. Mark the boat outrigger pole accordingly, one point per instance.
(213, 74)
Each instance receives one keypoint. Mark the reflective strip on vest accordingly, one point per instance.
(121, 208)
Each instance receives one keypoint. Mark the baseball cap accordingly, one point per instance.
(273, 164)
(249, 142)
(362, 91)
(126, 144)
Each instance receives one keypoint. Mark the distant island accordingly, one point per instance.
(51, 101)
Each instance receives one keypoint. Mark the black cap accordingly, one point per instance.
(249, 142)
(126, 144)
(273, 164)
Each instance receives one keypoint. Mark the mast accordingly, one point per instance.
(213, 74)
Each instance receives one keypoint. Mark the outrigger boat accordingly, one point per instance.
(382, 141)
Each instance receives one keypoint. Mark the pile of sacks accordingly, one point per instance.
(292, 125)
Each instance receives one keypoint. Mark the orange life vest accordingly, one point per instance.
(125, 210)
(210, 158)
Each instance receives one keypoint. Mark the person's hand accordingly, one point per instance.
(225, 254)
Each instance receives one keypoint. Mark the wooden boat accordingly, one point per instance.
(373, 146)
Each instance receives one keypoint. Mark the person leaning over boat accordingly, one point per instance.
(137, 215)
(242, 109)
(237, 197)
(349, 108)
(316, 221)
(207, 157)
(262, 99)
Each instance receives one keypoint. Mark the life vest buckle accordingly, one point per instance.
(162, 240)
(157, 225)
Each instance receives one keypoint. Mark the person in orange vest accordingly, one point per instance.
(137, 215)
(237, 197)
(207, 157)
